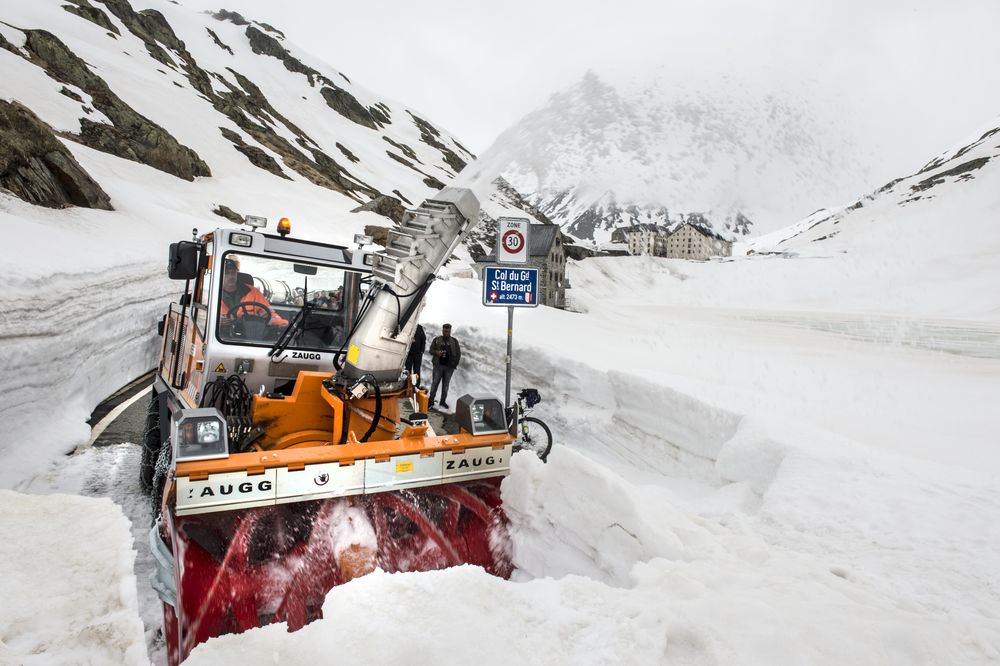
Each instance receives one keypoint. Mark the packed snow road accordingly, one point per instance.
(976, 339)
(109, 467)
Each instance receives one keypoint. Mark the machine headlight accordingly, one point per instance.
(481, 414)
(199, 434)
(241, 240)
(208, 432)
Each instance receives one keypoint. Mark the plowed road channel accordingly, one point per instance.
(122, 415)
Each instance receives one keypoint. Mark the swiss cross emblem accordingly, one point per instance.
(493, 296)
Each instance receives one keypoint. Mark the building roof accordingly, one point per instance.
(703, 230)
(540, 240)
(645, 226)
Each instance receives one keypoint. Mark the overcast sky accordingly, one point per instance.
(922, 73)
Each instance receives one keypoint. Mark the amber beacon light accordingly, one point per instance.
(284, 226)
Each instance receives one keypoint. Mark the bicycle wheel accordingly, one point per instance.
(534, 436)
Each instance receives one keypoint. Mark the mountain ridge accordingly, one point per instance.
(306, 123)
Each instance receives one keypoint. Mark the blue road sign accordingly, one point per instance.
(506, 285)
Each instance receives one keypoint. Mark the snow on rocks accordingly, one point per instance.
(69, 594)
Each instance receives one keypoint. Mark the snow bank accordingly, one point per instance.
(707, 594)
(887, 386)
(69, 595)
(678, 521)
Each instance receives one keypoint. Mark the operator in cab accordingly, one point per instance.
(244, 299)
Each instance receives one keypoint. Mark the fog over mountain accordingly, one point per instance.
(601, 155)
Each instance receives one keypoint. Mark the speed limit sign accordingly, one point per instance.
(512, 240)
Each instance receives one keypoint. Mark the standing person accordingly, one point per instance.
(416, 353)
(445, 355)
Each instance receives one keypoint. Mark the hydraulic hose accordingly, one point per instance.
(378, 410)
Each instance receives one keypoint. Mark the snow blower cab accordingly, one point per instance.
(285, 450)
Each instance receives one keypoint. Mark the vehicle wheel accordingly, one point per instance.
(534, 436)
(160, 470)
(150, 444)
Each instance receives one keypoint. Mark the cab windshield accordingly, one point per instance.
(261, 296)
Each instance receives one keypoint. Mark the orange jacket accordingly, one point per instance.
(254, 295)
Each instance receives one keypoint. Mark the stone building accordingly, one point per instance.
(694, 241)
(641, 238)
(547, 253)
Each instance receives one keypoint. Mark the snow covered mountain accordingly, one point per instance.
(600, 156)
(925, 243)
(946, 176)
(199, 96)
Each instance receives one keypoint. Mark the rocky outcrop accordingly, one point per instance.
(152, 28)
(404, 162)
(739, 224)
(348, 154)
(430, 136)
(218, 42)
(232, 17)
(262, 43)
(85, 10)
(36, 167)
(963, 171)
(405, 149)
(348, 106)
(386, 206)
(250, 110)
(257, 156)
(132, 135)
(72, 95)
(270, 28)
(229, 214)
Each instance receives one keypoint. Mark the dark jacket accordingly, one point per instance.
(418, 345)
(453, 351)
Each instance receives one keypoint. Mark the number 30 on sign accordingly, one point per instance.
(512, 240)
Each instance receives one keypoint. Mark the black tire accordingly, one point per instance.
(150, 444)
(537, 439)
(160, 470)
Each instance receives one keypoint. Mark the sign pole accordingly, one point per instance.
(510, 286)
(510, 350)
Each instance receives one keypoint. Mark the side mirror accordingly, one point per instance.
(183, 261)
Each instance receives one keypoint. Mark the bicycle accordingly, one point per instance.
(534, 435)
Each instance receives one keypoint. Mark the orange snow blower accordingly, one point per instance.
(277, 452)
